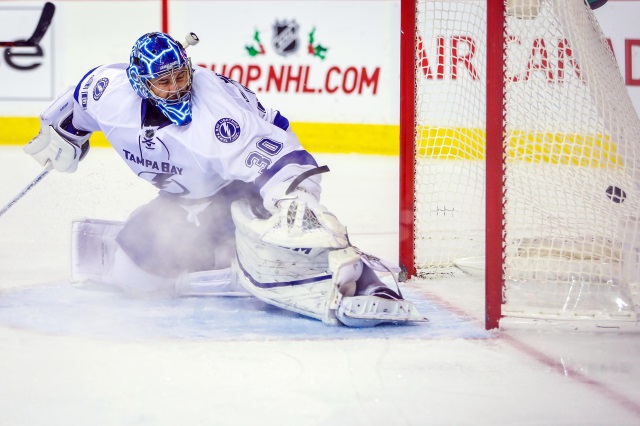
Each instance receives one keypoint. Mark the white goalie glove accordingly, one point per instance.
(53, 151)
(299, 220)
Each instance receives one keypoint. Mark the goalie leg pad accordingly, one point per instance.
(316, 282)
(296, 279)
(93, 245)
(306, 298)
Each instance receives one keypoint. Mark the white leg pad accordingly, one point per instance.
(93, 245)
(306, 296)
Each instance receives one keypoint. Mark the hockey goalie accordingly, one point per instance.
(237, 211)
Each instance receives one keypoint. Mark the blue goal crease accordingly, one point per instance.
(63, 309)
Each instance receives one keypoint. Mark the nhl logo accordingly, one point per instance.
(148, 133)
(285, 37)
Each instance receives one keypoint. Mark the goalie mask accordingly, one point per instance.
(159, 70)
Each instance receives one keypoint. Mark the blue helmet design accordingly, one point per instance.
(158, 61)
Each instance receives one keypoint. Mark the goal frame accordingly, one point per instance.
(494, 157)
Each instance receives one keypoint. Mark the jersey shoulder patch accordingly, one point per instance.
(99, 88)
(227, 130)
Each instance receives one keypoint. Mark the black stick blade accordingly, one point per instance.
(41, 28)
(43, 24)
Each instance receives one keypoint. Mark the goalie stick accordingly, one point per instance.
(25, 190)
(41, 28)
(305, 175)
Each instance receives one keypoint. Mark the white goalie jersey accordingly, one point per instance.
(232, 136)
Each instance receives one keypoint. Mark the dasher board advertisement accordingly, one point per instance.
(328, 61)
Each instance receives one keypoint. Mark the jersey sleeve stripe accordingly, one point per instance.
(281, 121)
(76, 92)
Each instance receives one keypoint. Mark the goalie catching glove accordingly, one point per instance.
(299, 220)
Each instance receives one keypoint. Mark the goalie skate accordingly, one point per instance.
(369, 311)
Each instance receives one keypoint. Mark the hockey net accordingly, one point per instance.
(567, 213)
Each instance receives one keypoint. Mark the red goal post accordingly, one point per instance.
(520, 158)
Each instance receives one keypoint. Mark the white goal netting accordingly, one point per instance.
(572, 139)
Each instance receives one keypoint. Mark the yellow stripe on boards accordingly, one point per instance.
(441, 143)
(315, 137)
(447, 143)
(450, 143)
(565, 149)
(349, 138)
(20, 130)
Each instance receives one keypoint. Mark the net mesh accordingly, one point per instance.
(309, 219)
(571, 147)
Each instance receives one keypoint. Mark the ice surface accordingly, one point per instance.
(87, 356)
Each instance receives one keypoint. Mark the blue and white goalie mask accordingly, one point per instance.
(159, 70)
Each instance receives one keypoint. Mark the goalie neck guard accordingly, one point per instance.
(156, 57)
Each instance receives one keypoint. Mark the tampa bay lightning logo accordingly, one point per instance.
(165, 182)
(100, 87)
(227, 130)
